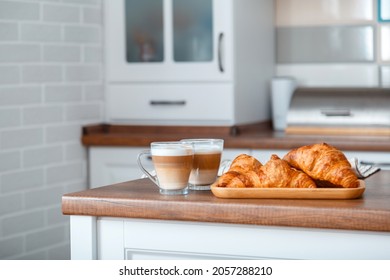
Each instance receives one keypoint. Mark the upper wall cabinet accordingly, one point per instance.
(168, 40)
(189, 62)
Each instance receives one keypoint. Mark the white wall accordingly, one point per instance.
(51, 78)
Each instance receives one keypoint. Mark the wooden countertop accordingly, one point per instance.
(254, 136)
(141, 199)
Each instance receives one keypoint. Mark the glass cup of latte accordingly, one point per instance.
(172, 163)
(207, 159)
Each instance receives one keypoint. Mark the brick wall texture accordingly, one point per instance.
(51, 84)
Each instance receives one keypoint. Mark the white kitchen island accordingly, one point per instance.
(131, 220)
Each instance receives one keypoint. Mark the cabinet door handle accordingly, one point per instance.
(220, 40)
(167, 103)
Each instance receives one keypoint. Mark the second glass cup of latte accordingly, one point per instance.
(207, 159)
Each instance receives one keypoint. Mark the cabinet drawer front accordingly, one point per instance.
(170, 103)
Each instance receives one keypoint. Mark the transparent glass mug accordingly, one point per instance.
(207, 160)
(172, 163)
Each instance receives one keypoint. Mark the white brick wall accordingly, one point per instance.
(51, 84)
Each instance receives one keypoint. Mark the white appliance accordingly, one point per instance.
(282, 89)
(340, 111)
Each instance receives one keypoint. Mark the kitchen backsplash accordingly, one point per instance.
(333, 43)
(51, 83)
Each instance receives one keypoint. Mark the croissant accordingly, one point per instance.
(245, 163)
(277, 173)
(238, 179)
(247, 172)
(327, 165)
(242, 173)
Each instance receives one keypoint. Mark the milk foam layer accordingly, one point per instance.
(171, 151)
(207, 149)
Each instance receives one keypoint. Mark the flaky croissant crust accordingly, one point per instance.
(245, 163)
(248, 172)
(242, 173)
(327, 165)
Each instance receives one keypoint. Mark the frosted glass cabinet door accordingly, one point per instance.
(192, 30)
(168, 40)
(144, 30)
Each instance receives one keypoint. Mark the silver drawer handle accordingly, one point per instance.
(336, 112)
(167, 103)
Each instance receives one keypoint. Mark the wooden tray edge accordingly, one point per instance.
(291, 193)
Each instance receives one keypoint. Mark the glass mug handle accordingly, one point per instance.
(139, 161)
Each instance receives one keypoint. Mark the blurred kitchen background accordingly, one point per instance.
(52, 82)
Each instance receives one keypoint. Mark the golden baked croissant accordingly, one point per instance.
(245, 163)
(327, 165)
(242, 173)
(247, 172)
(238, 179)
(277, 173)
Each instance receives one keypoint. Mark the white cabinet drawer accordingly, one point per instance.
(171, 103)
(264, 155)
(110, 165)
(231, 154)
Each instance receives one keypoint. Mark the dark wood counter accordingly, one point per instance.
(256, 136)
(141, 199)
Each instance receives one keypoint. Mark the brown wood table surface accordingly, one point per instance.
(141, 199)
(253, 136)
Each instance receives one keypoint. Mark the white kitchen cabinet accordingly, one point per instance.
(264, 155)
(185, 40)
(230, 154)
(179, 103)
(188, 62)
(110, 165)
(120, 238)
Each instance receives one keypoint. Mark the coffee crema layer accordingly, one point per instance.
(205, 167)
